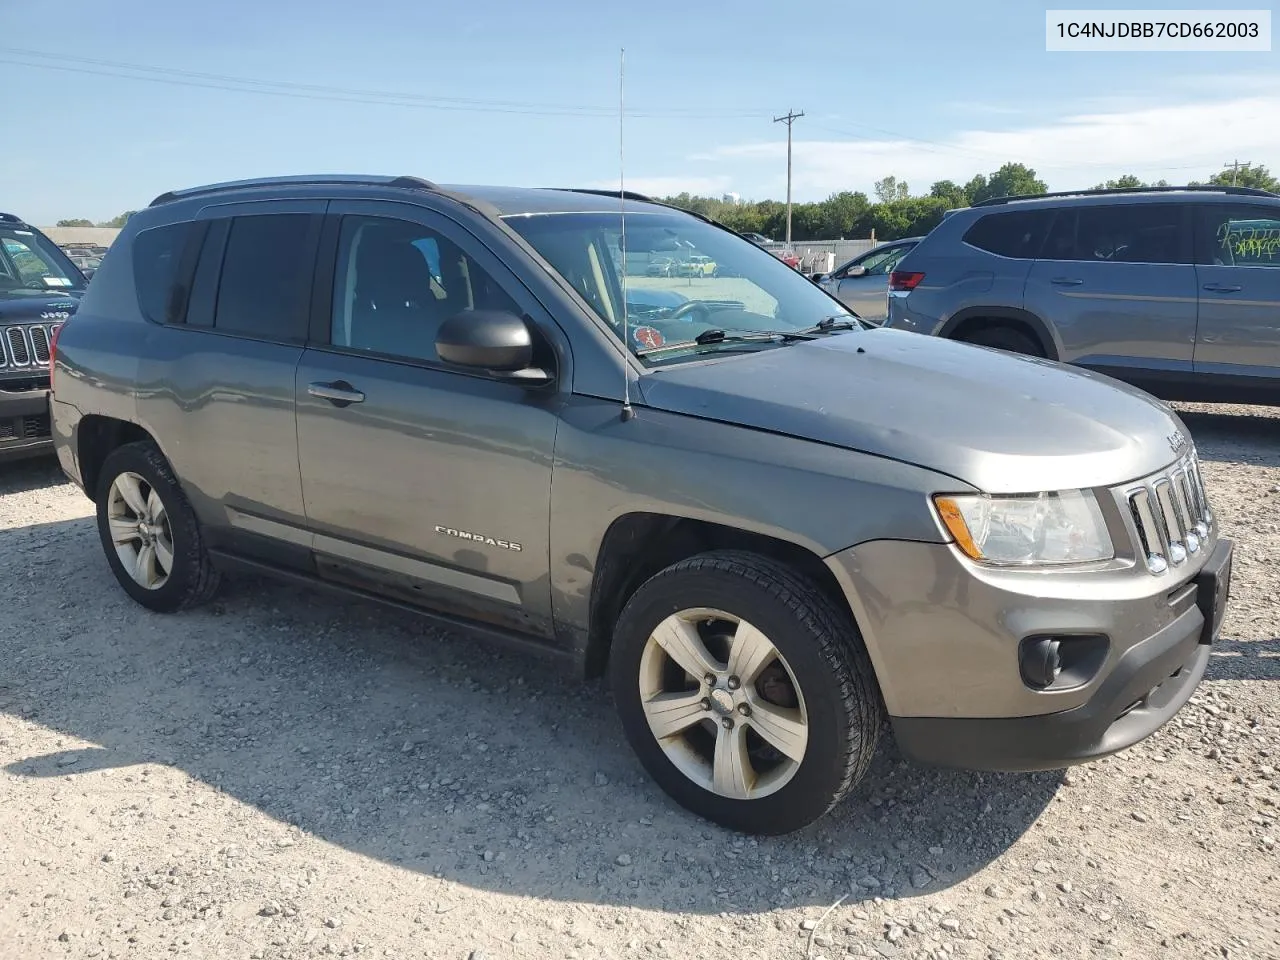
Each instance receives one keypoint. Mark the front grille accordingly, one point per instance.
(1171, 514)
(26, 346)
(15, 340)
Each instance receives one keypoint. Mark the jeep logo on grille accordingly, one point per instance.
(55, 315)
(1176, 441)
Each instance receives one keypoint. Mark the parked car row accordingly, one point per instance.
(776, 528)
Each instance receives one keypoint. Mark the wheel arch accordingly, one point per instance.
(96, 437)
(638, 545)
(975, 318)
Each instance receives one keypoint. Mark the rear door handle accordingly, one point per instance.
(1222, 288)
(339, 393)
(1067, 281)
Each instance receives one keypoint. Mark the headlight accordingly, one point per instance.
(1039, 528)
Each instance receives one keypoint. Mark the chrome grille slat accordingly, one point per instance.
(19, 351)
(39, 344)
(1170, 513)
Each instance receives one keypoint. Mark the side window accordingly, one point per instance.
(1016, 233)
(1123, 233)
(1241, 236)
(157, 254)
(395, 284)
(266, 277)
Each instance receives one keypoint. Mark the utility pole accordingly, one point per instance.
(789, 119)
(1236, 166)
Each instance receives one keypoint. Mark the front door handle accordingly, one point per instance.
(339, 393)
(1222, 288)
(1067, 281)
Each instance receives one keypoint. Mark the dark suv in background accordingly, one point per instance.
(39, 289)
(1175, 290)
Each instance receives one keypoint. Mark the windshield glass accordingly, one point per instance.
(683, 277)
(31, 264)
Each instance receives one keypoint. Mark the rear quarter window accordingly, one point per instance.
(1013, 233)
(156, 255)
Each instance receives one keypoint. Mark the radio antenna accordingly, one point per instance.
(627, 412)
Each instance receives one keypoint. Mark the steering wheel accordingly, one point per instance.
(35, 284)
(687, 308)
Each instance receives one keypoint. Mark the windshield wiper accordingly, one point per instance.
(709, 338)
(831, 324)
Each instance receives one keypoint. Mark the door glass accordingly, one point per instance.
(266, 277)
(1120, 233)
(1241, 236)
(397, 282)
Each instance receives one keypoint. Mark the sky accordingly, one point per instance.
(107, 105)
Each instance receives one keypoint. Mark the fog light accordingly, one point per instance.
(1041, 661)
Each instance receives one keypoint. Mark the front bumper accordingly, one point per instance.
(24, 423)
(948, 663)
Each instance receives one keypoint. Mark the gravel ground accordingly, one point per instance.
(288, 775)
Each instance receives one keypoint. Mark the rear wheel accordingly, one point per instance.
(149, 532)
(1004, 338)
(745, 692)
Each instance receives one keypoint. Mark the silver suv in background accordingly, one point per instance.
(863, 283)
(773, 527)
(1175, 290)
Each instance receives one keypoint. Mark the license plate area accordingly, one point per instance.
(1213, 587)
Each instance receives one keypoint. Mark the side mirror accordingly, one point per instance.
(88, 272)
(857, 271)
(494, 341)
(818, 277)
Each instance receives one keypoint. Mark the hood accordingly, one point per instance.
(36, 306)
(1002, 423)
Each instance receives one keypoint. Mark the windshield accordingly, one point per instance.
(31, 264)
(683, 277)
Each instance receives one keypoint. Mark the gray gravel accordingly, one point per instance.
(285, 775)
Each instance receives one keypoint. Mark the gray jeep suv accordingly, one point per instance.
(1175, 290)
(773, 527)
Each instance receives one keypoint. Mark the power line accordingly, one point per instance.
(790, 118)
(283, 88)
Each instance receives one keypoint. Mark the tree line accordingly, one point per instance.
(896, 213)
(113, 222)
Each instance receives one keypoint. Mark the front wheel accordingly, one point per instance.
(746, 693)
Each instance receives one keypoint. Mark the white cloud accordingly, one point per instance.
(1179, 142)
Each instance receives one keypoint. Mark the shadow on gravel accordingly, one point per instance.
(370, 730)
(24, 476)
(1221, 436)
(1245, 660)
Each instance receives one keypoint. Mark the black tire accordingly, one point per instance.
(1005, 338)
(821, 645)
(193, 579)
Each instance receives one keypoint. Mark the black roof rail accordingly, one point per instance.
(1108, 191)
(10, 218)
(628, 194)
(413, 183)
